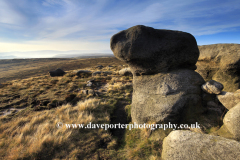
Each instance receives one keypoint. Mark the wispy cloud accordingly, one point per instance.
(93, 22)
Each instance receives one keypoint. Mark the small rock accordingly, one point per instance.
(85, 92)
(212, 87)
(89, 84)
(91, 91)
(125, 72)
(58, 72)
(99, 66)
(101, 73)
(83, 73)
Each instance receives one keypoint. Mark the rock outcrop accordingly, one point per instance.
(220, 62)
(165, 86)
(187, 145)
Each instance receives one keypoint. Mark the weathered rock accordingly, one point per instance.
(149, 51)
(83, 73)
(220, 62)
(229, 99)
(212, 87)
(104, 73)
(232, 121)
(58, 72)
(90, 91)
(167, 97)
(187, 145)
(125, 72)
(84, 91)
(99, 66)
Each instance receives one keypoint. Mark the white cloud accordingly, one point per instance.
(83, 25)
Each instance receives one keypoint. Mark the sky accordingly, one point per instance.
(46, 28)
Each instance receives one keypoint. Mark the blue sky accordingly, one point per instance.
(44, 28)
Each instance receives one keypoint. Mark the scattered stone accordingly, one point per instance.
(212, 87)
(85, 92)
(89, 84)
(83, 73)
(220, 62)
(229, 99)
(58, 72)
(189, 145)
(149, 51)
(99, 66)
(232, 121)
(90, 91)
(104, 73)
(125, 72)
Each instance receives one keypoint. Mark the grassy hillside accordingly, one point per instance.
(26, 68)
(31, 108)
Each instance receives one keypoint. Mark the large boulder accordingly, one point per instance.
(149, 51)
(220, 62)
(187, 145)
(232, 121)
(229, 99)
(57, 72)
(167, 97)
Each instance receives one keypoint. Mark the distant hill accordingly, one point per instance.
(84, 55)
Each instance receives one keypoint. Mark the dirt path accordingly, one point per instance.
(119, 116)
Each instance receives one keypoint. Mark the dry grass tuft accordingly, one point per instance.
(29, 137)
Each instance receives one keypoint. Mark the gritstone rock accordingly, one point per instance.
(165, 86)
(212, 87)
(187, 145)
(148, 50)
(58, 72)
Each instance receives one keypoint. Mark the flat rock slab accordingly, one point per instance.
(187, 145)
(149, 51)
